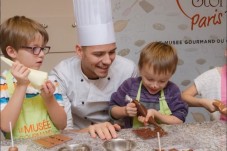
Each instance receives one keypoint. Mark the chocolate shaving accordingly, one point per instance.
(147, 133)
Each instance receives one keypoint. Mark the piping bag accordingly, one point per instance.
(36, 77)
(142, 111)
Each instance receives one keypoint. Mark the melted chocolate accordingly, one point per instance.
(142, 111)
(147, 133)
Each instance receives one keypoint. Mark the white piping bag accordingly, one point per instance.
(37, 78)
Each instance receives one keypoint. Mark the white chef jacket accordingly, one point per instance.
(86, 101)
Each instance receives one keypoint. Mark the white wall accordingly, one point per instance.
(58, 18)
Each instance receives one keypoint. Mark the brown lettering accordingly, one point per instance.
(29, 129)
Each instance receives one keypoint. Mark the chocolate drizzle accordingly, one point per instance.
(147, 133)
(142, 111)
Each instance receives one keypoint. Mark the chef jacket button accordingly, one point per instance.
(85, 117)
(82, 80)
(108, 78)
(83, 103)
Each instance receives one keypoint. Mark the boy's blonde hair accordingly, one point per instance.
(19, 31)
(161, 56)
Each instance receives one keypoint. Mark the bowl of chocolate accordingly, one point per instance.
(75, 147)
(119, 145)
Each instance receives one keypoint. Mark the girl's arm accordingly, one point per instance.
(189, 96)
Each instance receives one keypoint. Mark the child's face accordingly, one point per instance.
(27, 58)
(154, 82)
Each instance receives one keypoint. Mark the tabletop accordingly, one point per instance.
(205, 136)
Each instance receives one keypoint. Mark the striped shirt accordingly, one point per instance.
(30, 92)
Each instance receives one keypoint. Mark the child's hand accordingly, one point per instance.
(47, 89)
(131, 109)
(150, 113)
(208, 104)
(142, 120)
(20, 73)
(220, 106)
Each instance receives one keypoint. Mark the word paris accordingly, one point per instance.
(199, 20)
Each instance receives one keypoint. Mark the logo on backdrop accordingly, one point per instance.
(200, 20)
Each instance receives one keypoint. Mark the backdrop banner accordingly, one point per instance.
(197, 28)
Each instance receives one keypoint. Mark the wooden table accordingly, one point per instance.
(206, 136)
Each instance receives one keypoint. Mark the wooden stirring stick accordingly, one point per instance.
(12, 148)
(11, 134)
(159, 142)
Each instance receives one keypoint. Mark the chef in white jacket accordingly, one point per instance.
(88, 79)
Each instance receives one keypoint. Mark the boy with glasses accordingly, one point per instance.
(32, 112)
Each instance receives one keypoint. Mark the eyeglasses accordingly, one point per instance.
(37, 50)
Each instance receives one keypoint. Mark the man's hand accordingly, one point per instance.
(104, 130)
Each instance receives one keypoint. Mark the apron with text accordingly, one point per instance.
(164, 108)
(33, 120)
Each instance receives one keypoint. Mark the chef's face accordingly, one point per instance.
(154, 82)
(96, 60)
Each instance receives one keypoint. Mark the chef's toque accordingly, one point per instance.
(94, 22)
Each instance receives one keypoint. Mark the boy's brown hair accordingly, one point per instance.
(161, 56)
(19, 31)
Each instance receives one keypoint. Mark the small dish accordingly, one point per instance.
(119, 145)
(75, 147)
